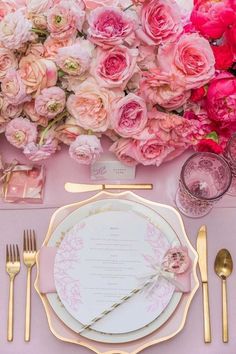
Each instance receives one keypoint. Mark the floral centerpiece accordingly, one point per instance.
(151, 76)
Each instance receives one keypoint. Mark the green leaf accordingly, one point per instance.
(213, 136)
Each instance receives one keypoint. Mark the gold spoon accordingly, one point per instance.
(223, 268)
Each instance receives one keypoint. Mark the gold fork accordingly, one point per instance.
(29, 257)
(12, 268)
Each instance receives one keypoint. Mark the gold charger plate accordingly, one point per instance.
(173, 326)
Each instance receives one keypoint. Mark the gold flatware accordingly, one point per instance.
(202, 261)
(224, 268)
(29, 257)
(12, 268)
(80, 187)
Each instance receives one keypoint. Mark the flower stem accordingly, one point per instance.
(128, 7)
(50, 125)
(38, 31)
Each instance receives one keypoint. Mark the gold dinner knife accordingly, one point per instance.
(202, 260)
(80, 187)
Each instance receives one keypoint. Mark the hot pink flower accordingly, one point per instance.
(75, 59)
(114, 67)
(85, 149)
(50, 102)
(93, 4)
(221, 99)
(13, 88)
(15, 30)
(19, 132)
(52, 45)
(160, 22)
(7, 61)
(109, 26)
(129, 116)
(65, 19)
(29, 110)
(123, 149)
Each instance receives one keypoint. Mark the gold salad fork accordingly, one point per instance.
(29, 257)
(12, 268)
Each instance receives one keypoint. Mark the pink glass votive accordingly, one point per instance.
(230, 156)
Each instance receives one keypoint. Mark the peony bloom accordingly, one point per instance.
(52, 45)
(15, 30)
(20, 132)
(123, 149)
(211, 18)
(75, 59)
(114, 67)
(85, 149)
(29, 110)
(129, 116)
(93, 4)
(37, 73)
(68, 131)
(160, 22)
(65, 19)
(109, 26)
(13, 88)
(224, 57)
(7, 61)
(38, 6)
(221, 99)
(91, 106)
(50, 102)
(190, 60)
(209, 145)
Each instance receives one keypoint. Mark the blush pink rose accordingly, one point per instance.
(86, 149)
(50, 102)
(8, 110)
(109, 26)
(160, 22)
(151, 152)
(7, 61)
(221, 99)
(129, 116)
(147, 57)
(93, 4)
(212, 18)
(29, 110)
(123, 149)
(15, 30)
(69, 131)
(75, 59)
(37, 73)
(114, 67)
(6, 7)
(20, 131)
(91, 106)
(65, 19)
(52, 45)
(190, 59)
(13, 88)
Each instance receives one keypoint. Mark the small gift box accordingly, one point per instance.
(109, 168)
(22, 183)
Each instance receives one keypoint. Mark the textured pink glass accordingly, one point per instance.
(230, 155)
(205, 178)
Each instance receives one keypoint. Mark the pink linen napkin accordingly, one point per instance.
(46, 270)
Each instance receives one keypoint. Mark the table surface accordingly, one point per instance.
(221, 224)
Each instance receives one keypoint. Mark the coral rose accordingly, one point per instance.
(86, 149)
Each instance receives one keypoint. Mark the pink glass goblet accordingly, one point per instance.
(205, 178)
(230, 155)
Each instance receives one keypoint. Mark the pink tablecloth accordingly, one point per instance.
(221, 224)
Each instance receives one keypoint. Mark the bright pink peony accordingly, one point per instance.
(129, 116)
(13, 88)
(211, 18)
(114, 67)
(20, 132)
(123, 149)
(109, 26)
(50, 102)
(221, 99)
(160, 22)
(7, 61)
(15, 30)
(224, 56)
(86, 149)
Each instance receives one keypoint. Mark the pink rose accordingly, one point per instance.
(109, 26)
(68, 131)
(6, 7)
(75, 59)
(211, 18)
(162, 89)
(151, 152)
(15, 30)
(65, 19)
(129, 116)
(160, 22)
(50, 102)
(19, 132)
(91, 106)
(147, 57)
(42, 151)
(8, 110)
(7, 61)
(190, 60)
(37, 73)
(221, 99)
(85, 149)
(38, 6)
(52, 45)
(13, 88)
(29, 110)
(93, 4)
(36, 49)
(123, 149)
(114, 67)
